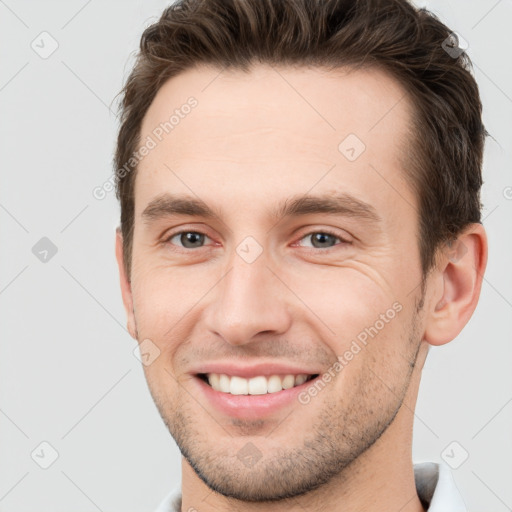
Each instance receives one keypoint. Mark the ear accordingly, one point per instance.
(457, 284)
(126, 289)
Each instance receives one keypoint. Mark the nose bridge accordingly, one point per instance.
(249, 300)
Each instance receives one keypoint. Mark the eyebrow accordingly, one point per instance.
(167, 205)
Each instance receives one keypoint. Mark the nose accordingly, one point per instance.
(248, 301)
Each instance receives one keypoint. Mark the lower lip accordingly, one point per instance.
(252, 406)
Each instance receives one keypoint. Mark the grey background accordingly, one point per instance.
(68, 375)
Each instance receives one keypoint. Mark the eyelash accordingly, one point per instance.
(323, 231)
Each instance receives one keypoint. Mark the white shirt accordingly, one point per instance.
(434, 484)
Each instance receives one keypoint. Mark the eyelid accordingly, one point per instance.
(327, 231)
(178, 230)
(167, 237)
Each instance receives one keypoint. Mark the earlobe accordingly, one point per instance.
(126, 290)
(457, 286)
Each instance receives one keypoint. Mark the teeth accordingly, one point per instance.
(274, 384)
(288, 382)
(260, 385)
(213, 379)
(257, 386)
(239, 386)
(300, 379)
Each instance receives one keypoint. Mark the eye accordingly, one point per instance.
(188, 239)
(195, 239)
(324, 239)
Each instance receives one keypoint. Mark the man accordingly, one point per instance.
(300, 220)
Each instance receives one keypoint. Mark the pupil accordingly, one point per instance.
(321, 237)
(192, 238)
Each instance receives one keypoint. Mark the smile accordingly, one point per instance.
(259, 385)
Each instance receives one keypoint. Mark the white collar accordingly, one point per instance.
(434, 484)
(436, 488)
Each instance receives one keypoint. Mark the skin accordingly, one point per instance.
(253, 141)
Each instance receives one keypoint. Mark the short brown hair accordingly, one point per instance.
(443, 165)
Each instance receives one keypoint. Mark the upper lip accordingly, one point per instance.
(265, 368)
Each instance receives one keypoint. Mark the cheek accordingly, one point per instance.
(375, 374)
(365, 325)
(343, 299)
(163, 296)
(346, 300)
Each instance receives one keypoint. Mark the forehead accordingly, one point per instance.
(274, 126)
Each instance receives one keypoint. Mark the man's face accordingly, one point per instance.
(256, 292)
